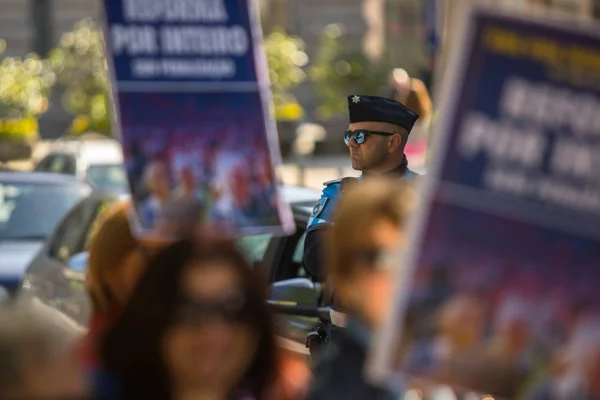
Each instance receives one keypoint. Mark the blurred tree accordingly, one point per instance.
(338, 72)
(82, 74)
(286, 59)
(25, 85)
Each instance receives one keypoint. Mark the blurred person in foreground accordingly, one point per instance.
(116, 260)
(156, 181)
(197, 327)
(34, 361)
(366, 235)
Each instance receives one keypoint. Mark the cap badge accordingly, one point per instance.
(356, 99)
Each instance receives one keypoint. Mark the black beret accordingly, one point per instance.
(373, 108)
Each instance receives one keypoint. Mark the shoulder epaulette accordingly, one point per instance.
(332, 182)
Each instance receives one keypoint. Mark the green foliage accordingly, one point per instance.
(338, 72)
(24, 86)
(286, 59)
(82, 73)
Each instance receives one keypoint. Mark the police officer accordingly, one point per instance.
(376, 137)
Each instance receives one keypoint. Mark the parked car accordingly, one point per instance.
(56, 276)
(31, 205)
(99, 161)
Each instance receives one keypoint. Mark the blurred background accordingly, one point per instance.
(54, 87)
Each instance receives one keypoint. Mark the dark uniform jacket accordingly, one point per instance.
(321, 218)
(339, 373)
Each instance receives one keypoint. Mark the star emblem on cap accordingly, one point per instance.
(356, 99)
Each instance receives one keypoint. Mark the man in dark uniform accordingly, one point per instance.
(376, 138)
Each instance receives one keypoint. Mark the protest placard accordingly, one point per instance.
(500, 290)
(190, 84)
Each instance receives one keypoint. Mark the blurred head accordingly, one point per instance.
(240, 186)
(400, 83)
(206, 325)
(462, 320)
(378, 153)
(187, 178)
(34, 360)
(514, 324)
(116, 259)
(264, 172)
(411, 92)
(366, 235)
(156, 179)
(418, 100)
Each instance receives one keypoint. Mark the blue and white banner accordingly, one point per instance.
(191, 87)
(500, 293)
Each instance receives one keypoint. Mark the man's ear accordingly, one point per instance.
(396, 142)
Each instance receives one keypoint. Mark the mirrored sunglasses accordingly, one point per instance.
(360, 135)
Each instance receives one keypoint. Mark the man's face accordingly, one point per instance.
(375, 149)
(240, 187)
(187, 178)
(161, 180)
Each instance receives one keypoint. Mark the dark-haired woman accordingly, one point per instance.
(196, 327)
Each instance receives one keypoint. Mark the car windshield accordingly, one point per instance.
(108, 176)
(31, 210)
(254, 247)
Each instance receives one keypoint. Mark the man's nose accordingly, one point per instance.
(352, 143)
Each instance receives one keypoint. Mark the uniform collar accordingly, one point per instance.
(400, 169)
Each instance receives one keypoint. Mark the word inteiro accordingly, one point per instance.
(204, 40)
(551, 107)
(180, 40)
(174, 11)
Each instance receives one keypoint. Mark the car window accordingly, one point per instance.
(31, 210)
(108, 176)
(59, 163)
(298, 256)
(72, 237)
(254, 247)
(290, 259)
(44, 164)
(69, 235)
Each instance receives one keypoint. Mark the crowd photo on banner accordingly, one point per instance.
(224, 168)
(466, 272)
